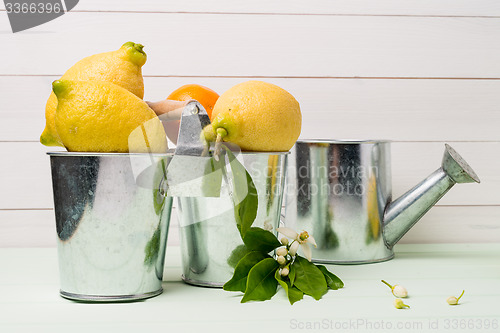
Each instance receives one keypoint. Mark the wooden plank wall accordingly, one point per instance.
(420, 73)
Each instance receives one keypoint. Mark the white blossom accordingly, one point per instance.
(301, 240)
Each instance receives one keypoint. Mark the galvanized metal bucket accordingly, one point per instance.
(336, 190)
(112, 223)
(208, 231)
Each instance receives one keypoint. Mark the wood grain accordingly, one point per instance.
(402, 110)
(266, 45)
(485, 8)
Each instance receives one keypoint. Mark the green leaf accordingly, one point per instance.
(291, 275)
(258, 239)
(239, 280)
(244, 194)
(309, 279)
(293, 293)
(237, 254)
(247, 209)
(332, 281)
(261, 284)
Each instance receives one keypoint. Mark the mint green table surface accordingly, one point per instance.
(30, 301)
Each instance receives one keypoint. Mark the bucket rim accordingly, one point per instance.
(99, 154)
(264, 152)
(169, 153)
(344, 141)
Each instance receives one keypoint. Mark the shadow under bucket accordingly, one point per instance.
(112, 220)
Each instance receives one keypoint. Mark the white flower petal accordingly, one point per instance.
(307, 251)
(288, 232)
(312, 240)
(293, 248)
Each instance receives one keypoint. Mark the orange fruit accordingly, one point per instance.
(206, 96)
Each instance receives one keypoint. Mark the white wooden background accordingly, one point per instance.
(418, 72)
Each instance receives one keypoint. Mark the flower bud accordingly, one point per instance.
(282, 251)
(452, 300)
(281, 260)
(398, 304)
(399, 291)
(284, 241)
(285, 271)
(293, 248)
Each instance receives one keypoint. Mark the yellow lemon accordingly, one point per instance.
(96, 116)
(258, 116)
(121, 67)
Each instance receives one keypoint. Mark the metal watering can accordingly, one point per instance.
(341, 192)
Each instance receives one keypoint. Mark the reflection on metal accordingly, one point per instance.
(208, 231)
(112, 224)
(192, 172)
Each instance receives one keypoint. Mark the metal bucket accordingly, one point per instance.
(112, 222)
(337, 191)
(208, 231)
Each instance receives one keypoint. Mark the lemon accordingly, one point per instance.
(257, 116)
(122, 67)
(96, 116)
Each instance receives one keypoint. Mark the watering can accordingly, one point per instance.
(341, 192)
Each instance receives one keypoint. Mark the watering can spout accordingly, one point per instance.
(404, 212)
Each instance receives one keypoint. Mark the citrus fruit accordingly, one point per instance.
(97, 116)
(257, 116)
(122, 67)
(206, 96)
